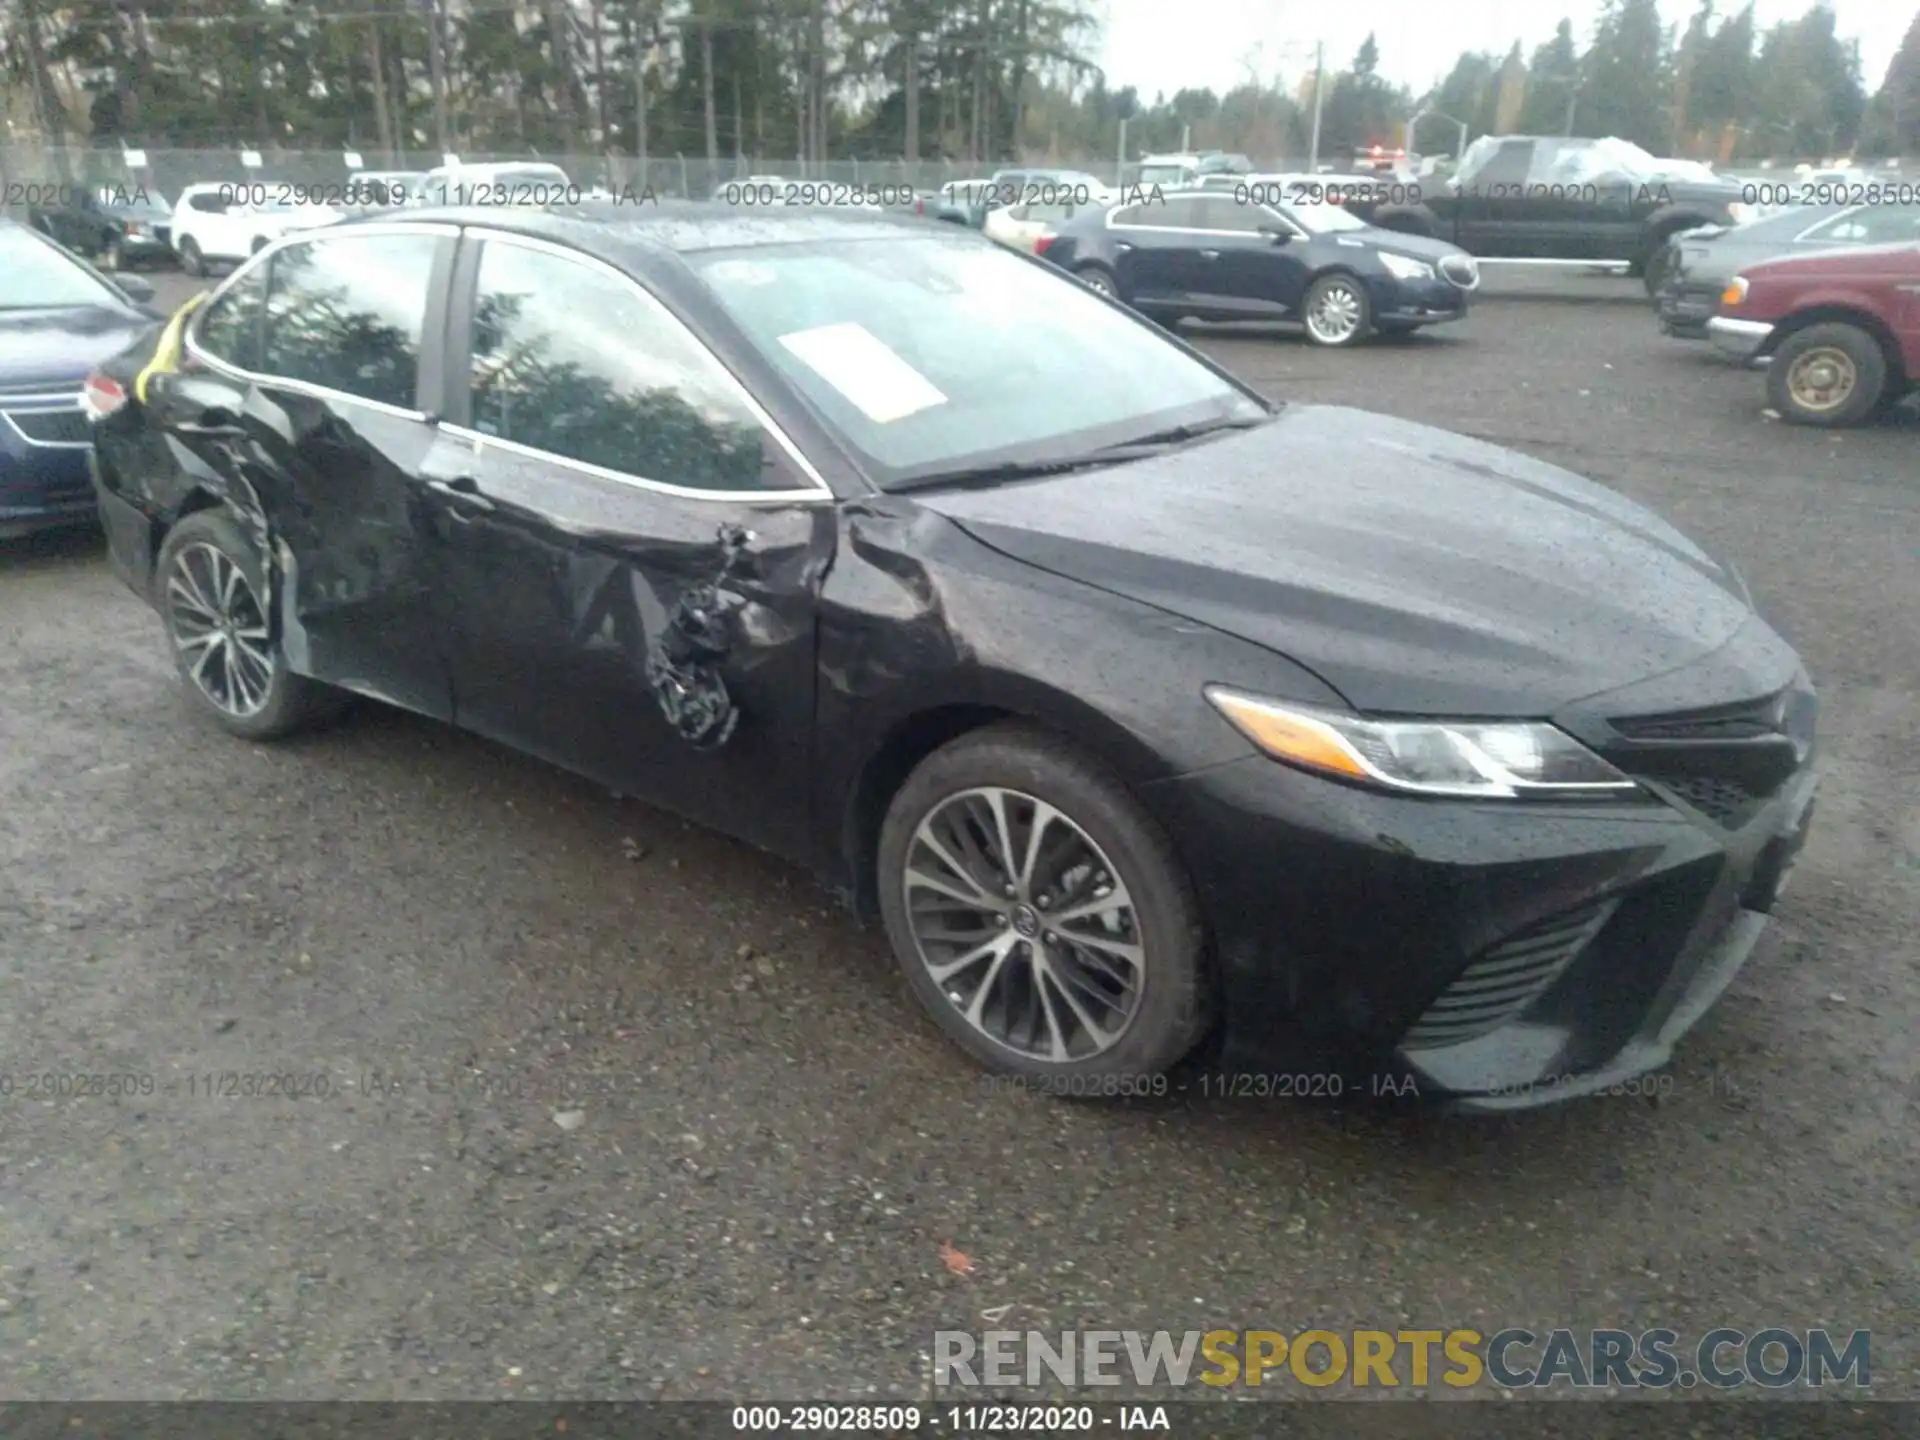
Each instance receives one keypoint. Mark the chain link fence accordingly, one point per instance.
(28, 172)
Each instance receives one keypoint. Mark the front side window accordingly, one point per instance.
(1223, 212)
(1870, 225)
(929, 353)
(229, 328)
(573, 360)
(348, 313)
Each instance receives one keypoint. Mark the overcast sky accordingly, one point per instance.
(1157, 45)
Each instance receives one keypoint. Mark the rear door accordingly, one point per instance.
(1155, 251)
(303, 399)
(1492, 204)
(631, 553)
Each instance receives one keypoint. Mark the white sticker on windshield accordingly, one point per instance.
(857, 364)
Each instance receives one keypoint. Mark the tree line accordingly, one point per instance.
(809, 80)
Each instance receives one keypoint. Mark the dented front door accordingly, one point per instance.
(661, 644)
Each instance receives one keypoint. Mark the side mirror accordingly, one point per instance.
(134, 288)
(1276, 234)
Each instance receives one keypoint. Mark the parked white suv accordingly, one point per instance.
(522, 182)
(231, 220)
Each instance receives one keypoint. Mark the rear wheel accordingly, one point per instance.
(1039, 913)
(113, 257)
(212, 592)
(1658, 266)
(1828, 375)
(1099, 279)
(1337, 311)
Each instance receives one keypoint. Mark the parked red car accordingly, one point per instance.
(1841, 330)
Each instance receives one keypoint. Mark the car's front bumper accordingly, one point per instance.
(1418, 302)
(1498, 955)
(1741, 340)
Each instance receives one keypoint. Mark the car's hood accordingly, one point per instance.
(1901, 258)
(1416, 571)
(1421, 247)
(55, 347)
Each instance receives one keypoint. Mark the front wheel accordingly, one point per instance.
(212, 592)
(1039, 913)
(113, 257)
(1828, 376)
(1337, 311)
(191, 260)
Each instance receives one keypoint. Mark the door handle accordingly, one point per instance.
(464, 491)
(1209, 254)
(1122, 246)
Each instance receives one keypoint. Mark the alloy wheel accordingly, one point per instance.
(1024, 925)
(1822, 378)
(1335, 314)
(220, 629)
(1097, 280)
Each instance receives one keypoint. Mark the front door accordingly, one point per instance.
(1259, 275)
(629, 559)
(303, 394)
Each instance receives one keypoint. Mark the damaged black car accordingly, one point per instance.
(1152, 719)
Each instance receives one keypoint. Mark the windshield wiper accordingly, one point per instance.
(1145, 447)
(1005, 471)
(1182, 434)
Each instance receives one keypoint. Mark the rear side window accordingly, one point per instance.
(348, 313)
(570, 359)
(229, 328)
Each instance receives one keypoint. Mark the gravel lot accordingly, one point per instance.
(718, 1151)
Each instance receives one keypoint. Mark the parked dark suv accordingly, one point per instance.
(119, 226)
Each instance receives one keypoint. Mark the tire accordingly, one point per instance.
(112, 257)
(1342, 295)
(191, 260)
(1842, 364)
(1099, 278)
(205, 554)
(1095, 827)
(1654, 272)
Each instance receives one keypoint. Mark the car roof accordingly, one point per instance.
(615, 229)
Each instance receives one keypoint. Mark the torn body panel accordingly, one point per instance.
(660, 643)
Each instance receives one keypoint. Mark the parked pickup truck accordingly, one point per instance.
(1549, 199)
(1840, 330)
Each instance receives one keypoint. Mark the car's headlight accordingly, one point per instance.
(1499, 760)
(1405, 267)
(1736, 291)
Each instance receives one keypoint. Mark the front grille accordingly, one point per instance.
(1727, 803)
(1744, 720)
(1462, 270)
(51, 427)
(1504, 981)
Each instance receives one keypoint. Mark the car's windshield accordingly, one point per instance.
(931, 354)
(1322, 219)
(36, 276)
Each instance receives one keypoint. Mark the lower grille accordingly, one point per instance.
(1507, 979)
(50, 427)
(1727, 803)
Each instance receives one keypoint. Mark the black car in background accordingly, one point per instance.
(1223, 255)
(59, 318)
(1544, 197)
(1142, 711)
(1698, 265)
(120, 226)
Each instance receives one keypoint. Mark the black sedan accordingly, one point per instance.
(1689, 275)
(58, 319)
(1216, 255)
(1144, 713)
(119, 226)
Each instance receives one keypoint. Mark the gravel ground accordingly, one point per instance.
(717, 1152)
